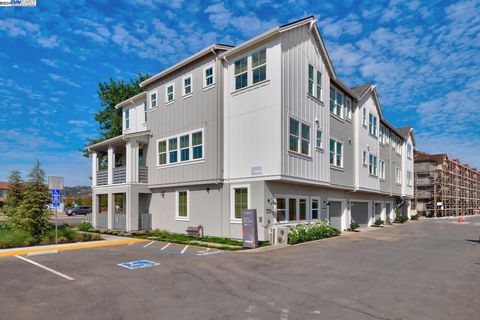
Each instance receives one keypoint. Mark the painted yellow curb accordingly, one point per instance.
(82, 245)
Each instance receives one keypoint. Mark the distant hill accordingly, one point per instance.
(77, 191)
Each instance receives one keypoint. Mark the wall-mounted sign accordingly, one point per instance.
(55, 183)
(256, 171)
(249, 228)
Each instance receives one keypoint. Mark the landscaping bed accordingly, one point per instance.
(15, 238)
(311, 231)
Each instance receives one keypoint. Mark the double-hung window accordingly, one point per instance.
(281, 209)
(409, 178)
(153, 100)
(348, 108)
(319, 142)
(182, 205)
(372, 125)
(169, 92)
(409, 151)
(336, 153)
(259, 66)
(241, 73)
(208, 76)
(372, 165)
(364, 158)
(315, 209)
(314, 82)
(178, 149)
(187, 85)
(336, 102)
(127, 119)
(299, 137)
(381, 165)
(398, 175)
(145, 112)
(364, 117)
(240, 201)
(382, 134)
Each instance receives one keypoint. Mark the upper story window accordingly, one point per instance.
(364, 117)
(372, 165)
(381, 165)
(127, 119)
(299, 137)
(208, 76)
(336, 102)
(314, 82)
(169, 92)
(348, 108)
(398, 175)
(382, 134)
(241, 73)
(145, 112)
(319, 139)
(259, 66)
(409, 151)
(372, 124)
(387, 136)
(364, 158)
(187, 85)
(153, 100)
(409, 178)
(336, 153)
(181, 148)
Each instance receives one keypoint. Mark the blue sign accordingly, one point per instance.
(138, 264)
(55, 198)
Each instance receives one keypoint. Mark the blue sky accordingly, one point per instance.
(423, 56)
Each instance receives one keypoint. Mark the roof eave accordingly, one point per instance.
(131, 100)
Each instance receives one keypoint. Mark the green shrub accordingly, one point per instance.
(311, 231)
(84, 226)
(401, 219)
(354, 226)
(414, 217)
(16, 238)
(388, 221)
(378, 222)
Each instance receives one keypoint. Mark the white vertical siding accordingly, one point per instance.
(137, 117)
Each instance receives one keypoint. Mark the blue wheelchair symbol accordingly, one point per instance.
(138, 264)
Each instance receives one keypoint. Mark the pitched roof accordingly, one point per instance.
(421, 156)
(3, 185)
(360, 90)
(342, 85)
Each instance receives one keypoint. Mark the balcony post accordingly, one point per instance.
(132, 161)
(111, 164)
(111, 210)
(94, 168)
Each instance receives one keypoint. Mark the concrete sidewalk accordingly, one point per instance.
(108, 240)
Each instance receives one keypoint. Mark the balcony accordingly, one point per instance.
(119, 175)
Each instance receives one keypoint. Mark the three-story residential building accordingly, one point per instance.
(265, 125)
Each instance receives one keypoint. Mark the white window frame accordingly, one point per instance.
(319, 213)
(232, 200)
(409, 151)
(364, 115)
(204, 76)
(381, 165)
(364, 158)
(153, 101)
(168, 85)
(126, 113)
(409, 178)
(257, 67)
(184, 87)
(316, 81)
(300, 137)
(398, 175)
(372, 124)
(319, 142)
(348, 108)
(337, 106)
(373, 165)
(335, 154)
(177, 206)
(191, 146)
(297, 198)
(244, 72)
(145, 112)
(382, 133)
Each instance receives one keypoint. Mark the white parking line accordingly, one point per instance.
(131, 243)
(166, 246)
(184, 249)
(45, 268)
(148, 244)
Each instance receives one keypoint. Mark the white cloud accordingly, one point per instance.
(218, 15)
(21, 28)
(50, 62)
(60, 78)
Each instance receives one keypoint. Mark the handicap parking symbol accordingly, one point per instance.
(132, 265)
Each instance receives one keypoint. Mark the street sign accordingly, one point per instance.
(55, 198)
(55, 183)
(249, 228)
(138, 264)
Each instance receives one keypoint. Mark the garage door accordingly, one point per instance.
(335, 214)
(360, 213)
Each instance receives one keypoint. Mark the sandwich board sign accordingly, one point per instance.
(249, 228)
(55, 183)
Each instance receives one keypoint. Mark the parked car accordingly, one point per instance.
(79, 210)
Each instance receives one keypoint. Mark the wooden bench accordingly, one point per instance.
(195, 232)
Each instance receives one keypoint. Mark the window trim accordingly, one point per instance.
(177, 205)
(335, 103)
(364, 158)
(348, 111)
(321, 147)
(381, 169)
(232, 201)
(373, 125)
(168, 85)
(315, 82)
(145, 112)
(373, 166)
(151, 100)
(335, 153)
(126, 113)
(308, 213)
(179, 162)
(409, 151)
(252, 68)
(184, 94)
(364, 115)
(300, 137)
(204, 77)
(409, 178)
(398, 175)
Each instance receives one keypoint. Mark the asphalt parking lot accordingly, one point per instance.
(421, 270)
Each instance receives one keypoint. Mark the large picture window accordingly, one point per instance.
(180, 149)
(296, 208)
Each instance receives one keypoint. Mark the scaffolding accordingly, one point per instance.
(445, 187)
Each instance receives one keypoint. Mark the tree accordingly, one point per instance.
(33, 215)
(14, 193)
(110, 94)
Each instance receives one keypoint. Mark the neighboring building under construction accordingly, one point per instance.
(445, 187)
